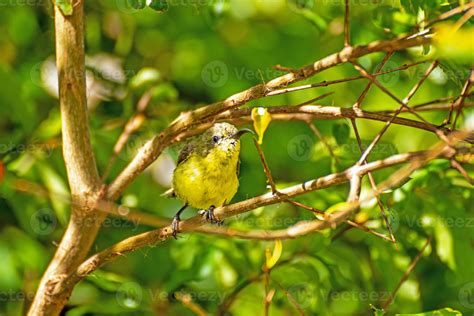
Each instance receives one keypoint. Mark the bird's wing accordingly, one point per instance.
(185, 152)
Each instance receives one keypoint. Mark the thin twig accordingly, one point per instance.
(450, 13)
(465, 91)
(153, 148)
(265, 167)
(402, 103)
(291, 298)
(133, 124)
(369, 84)
(346, 25)
(326, 83)
(328, 217)
(267, 298)
(229, 300)
(412, 266)
(187, 301)
(374, 185)
(318, 134)
(315, 99)
(416, 160)
(456, 165)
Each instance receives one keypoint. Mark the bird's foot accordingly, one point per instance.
(175, 226)
(208, 215)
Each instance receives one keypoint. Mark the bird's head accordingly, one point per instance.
(224, 137)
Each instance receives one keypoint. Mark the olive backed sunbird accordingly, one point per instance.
(206, 175)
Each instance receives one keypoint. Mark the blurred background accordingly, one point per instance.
(188, 53)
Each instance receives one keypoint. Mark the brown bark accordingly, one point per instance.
(81, 168)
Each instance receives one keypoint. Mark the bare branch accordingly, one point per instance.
(402, 103)
(265, 166)
(152, 149)
(318, 134)
(456, 165)
(133, 125)
(460, 102)
(326, 83)
(346, 24)
(367, 88)
(300, 229)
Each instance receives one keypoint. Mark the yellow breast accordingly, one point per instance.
(205, 181)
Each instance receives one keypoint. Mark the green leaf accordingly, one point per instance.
(341, 132)
(455, 72)
(159, 5)
(440, 312)
(146, 77)
(65, 6)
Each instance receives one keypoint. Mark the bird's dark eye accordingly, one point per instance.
(215, 138)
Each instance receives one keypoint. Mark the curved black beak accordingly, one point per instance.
(241, 132)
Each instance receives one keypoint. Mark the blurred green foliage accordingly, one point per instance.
(198, 52)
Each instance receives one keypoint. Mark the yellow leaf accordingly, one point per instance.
(339, 207)
(272, 259)
(261, 118)
(453, 42)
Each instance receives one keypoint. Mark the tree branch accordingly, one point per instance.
(300, 229)
(152, 149)
(81, 168)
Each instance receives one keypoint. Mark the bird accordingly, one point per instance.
(206, 175)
